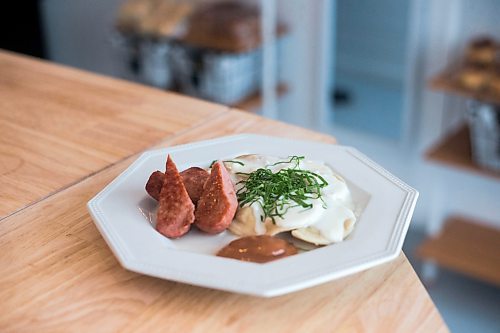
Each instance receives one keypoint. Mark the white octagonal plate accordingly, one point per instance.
(122, 212)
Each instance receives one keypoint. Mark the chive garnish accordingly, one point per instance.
(227, 161)
(235, 162)
(277, 192)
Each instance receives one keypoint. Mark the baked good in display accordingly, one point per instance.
(226, 26)
(166, 18)
(481, 51)
(480, 64)
(157, 18)
(229, 26)
(473, 77)
(131, 15)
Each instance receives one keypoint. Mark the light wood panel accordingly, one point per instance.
(237, 122)
(58, 125)
(466, 246)
(58, 275)
(455, 150)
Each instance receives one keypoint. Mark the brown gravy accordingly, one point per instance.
(258, 249)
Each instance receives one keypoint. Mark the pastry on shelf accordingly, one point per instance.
(482, 51)
(152, 18)
(473, 78)
(229, 26)
(166, 19)
(131, 14)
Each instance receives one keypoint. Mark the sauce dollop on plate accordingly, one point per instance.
(259, 249)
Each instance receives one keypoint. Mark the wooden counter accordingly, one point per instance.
(65, 134)
(59, 125)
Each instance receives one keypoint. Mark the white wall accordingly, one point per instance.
(79, 33)
(305, 61)
(442, 30)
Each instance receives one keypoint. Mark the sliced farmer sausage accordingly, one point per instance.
(193, 178)
(175, 208)
(218, 202)
(155, 183)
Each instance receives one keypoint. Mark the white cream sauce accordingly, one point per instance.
(326, 222)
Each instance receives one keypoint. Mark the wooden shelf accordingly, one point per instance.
(455, 150)
(254, 101)
(446, 82)
(466, 246)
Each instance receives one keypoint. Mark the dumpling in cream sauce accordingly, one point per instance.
(330, 219)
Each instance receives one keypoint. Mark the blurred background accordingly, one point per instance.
(414, 84)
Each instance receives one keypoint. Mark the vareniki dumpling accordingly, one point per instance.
(329, 220)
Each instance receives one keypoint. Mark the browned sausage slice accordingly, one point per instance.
(175, 208)
(155, 183)
(193, 178)
(218, 202)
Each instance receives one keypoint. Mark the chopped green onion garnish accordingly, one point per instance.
(277, 192)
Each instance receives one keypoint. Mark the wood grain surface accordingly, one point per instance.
(73, 282)
(59, 124)
(58, 275)
(237, 122)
